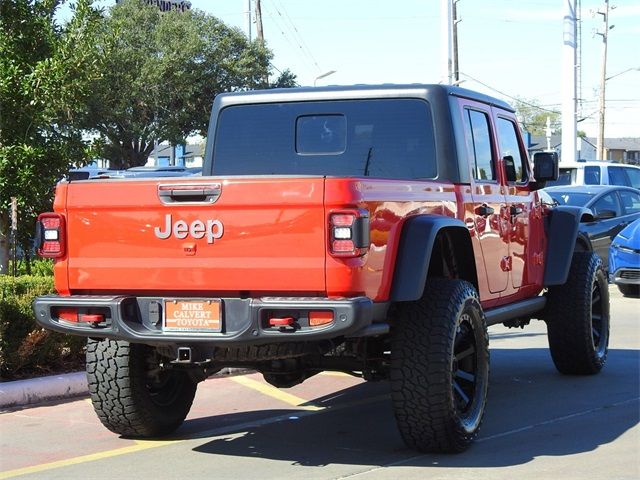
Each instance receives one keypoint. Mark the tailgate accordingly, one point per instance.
(205, 234)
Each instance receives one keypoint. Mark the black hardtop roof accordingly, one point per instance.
(350, 92)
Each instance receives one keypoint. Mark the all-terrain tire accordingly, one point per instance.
(131, 394)
(440, 367)
(629, 290)
(577, 317)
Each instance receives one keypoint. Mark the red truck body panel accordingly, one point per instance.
(389, 203)
(272, 237)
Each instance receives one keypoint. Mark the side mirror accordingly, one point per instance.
(545, 166)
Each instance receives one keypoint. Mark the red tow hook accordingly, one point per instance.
(282, 322)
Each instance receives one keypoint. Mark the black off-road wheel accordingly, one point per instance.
(577, 317)
(132, 394)
(440, 367)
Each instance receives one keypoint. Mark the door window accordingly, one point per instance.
(478, 136)
(514, 161)
(624, 176)
(630, 202)
(634, 176)
(617, 176)
(592, 175)
(608, 202)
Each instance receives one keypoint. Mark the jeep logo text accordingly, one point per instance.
(212, 229)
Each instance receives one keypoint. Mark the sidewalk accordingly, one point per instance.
(24, 393)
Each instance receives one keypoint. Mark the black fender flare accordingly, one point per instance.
(562, 233)
(416, 244)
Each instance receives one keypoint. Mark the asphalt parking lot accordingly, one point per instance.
(539, 424)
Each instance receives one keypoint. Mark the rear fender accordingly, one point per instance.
(417, 243)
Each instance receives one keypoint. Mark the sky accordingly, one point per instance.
(507, 48)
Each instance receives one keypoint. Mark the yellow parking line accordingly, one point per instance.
(276, 393)
(141, 445)
(144, 445)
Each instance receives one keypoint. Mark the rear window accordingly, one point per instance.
(566, 176)
(378, 138)
(571, 198)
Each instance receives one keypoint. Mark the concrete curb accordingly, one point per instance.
(28, 393)
(37, 390)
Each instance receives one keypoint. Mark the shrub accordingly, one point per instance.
(39, 267)
(25, 347)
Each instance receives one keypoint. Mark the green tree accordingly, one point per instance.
(161, 72)
(533, 117)
(44, 78)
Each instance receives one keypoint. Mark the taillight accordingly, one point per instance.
(349, 233)
(51, 235)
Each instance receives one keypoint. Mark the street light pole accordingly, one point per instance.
(603, 79)
(325, 74)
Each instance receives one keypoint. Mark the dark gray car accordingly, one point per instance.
(613, 209)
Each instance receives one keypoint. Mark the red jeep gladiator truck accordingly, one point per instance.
(375, 230)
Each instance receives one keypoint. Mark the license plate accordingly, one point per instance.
(192, 316)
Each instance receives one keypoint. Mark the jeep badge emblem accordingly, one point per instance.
(212, 229)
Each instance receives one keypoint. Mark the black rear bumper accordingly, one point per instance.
(244, 321)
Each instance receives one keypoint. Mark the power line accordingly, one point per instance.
(304, 44)
(294, 33)
(516, 99)
(282, 29)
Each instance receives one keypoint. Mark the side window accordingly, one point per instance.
(478, 136)
(617, 176)
(630, 202)
(514, 162)
(634, 176)
(608, 202)
(592, 175)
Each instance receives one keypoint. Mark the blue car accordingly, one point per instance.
(624, 260)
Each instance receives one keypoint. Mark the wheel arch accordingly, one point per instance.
(562, 235)
(583, 244)
(426, 243)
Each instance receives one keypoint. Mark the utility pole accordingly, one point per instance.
(454, 27)
(569, 128)
(259, 32)
(600, 153)
(247, 18)
(447, 41)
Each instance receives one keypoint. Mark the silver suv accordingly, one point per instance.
(598, 173)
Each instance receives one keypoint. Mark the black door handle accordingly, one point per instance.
(515, 210)
(484, 210)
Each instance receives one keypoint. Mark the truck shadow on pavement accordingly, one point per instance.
(533, 411)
